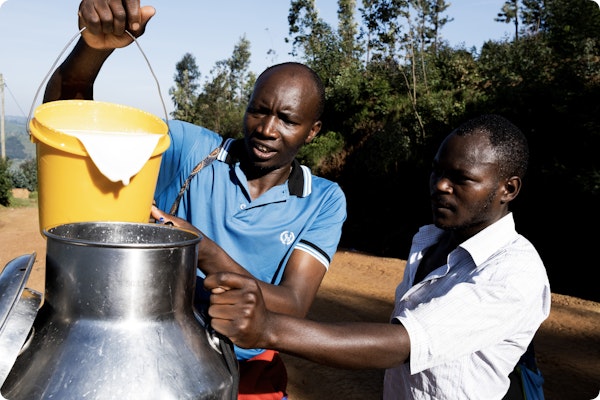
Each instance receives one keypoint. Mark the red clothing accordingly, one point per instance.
(263, 377)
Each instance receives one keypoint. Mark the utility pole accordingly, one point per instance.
(2, 137)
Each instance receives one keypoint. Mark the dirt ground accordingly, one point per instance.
(361, 287)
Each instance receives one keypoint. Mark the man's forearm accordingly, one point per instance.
(74, 78)
(238, 311)
(349, 345)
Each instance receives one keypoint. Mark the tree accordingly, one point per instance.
(305, 27)
(510, 13)
(316, 42)
(348, 30)
(222, 102)
(184, 94)
(383, 21)
(434, 21)
(533, 16)
(26, 175)
(5, 182)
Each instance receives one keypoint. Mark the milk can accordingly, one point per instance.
(117, 320)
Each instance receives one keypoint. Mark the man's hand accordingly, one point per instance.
(105, 22)
(237, 309)
(168, 219)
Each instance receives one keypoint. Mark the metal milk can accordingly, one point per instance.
(117, 320)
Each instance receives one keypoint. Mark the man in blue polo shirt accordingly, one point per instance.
(261, 213)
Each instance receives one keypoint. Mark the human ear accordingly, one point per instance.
(316, 128)
(512, 187)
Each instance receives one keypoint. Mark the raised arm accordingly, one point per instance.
(237, 311)
(104, 25)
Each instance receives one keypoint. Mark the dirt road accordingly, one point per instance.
(361, 287)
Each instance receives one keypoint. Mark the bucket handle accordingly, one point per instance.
(53, 67)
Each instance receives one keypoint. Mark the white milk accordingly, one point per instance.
(118, 155)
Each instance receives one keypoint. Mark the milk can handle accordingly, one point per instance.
(53, 67)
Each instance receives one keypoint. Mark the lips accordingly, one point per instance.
(263, 152)
(437, 205)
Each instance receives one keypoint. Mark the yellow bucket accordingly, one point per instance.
(71, 187)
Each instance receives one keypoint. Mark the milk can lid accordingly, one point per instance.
(12, 282)
(18, 308)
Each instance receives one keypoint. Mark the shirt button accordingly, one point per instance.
(242, 206)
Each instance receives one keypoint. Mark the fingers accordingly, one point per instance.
(108, 21)
(237, 308)
(103, 17)
(131, 15)
(167, 219)
(116, 19)
(227, 281)
(158, 214)
(164, 218)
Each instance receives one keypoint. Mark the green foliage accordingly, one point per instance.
(222, 102)
(26, 176)
(394, 88)
(322, 151)
(184, 93)
(5, 182)
(510, 14)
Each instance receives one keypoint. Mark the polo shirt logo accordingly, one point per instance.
(287, 237)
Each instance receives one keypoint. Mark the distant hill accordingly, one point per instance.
(18, 146)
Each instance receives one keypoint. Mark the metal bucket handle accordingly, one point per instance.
(53, 67)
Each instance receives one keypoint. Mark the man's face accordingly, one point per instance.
(464, 185)
(280, 118)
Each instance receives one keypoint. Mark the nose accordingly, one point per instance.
(268, 125)
(439, 183)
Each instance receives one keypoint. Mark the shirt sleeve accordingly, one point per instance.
(189, 145)
(323, 235)
(473, 309)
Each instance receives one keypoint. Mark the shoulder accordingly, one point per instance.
(179, 129)
(427, 235)
(304, 184)
(186, 136)
(327, 190)
(325, 184)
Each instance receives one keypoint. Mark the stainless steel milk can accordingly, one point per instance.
(117, 320)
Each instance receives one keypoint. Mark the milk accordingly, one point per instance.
(118, 155)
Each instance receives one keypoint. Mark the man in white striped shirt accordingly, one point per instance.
(473, 295)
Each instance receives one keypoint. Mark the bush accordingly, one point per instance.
(26, 176)
(323, 147)
(5, 182)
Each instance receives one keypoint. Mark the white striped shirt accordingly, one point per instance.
(470, 320)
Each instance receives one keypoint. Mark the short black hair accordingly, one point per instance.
(319, 87)
(507, 140)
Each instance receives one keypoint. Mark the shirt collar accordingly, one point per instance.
(299, 181)
(485, 243)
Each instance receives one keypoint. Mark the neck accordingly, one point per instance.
(261, 181)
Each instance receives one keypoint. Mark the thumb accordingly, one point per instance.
(220, 282)
(146, 13)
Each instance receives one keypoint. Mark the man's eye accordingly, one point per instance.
(459, 178)
(255, 110)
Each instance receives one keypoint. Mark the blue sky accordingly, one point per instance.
(34, 32)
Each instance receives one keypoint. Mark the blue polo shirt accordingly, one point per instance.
(306, 212)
